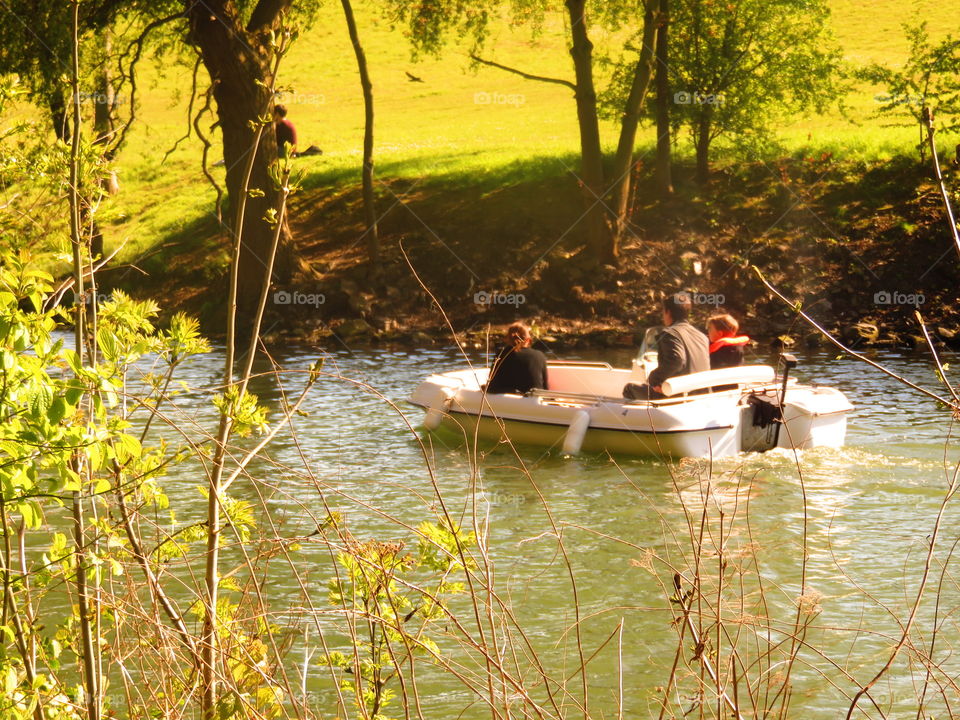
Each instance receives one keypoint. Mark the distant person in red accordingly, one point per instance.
(518, 367)
(286, 133)
(726, 347)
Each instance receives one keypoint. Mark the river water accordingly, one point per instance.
(870, 509)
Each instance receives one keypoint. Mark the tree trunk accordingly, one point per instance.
(602, 244)
(238, 61)
(103, 101)
(663, 174)
(702, 142)
(103, 129)
(623, 165)
(369, 202)
(60, 118)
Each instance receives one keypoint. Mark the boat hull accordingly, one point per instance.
(691, 443)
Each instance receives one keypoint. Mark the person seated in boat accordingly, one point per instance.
(726, 347)
(518, 368)
(681, 350)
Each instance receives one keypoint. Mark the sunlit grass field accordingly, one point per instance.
(460, 123)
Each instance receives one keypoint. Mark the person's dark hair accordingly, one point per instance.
(726, 324)
(281, 110)
(678, 305)
(517, 335)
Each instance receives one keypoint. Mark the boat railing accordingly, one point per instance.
(561, 395)
(581, 363)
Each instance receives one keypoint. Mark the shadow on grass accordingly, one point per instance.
(177, 271)
(814, 225)
(445, 171)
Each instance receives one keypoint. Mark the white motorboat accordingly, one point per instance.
(707, 414)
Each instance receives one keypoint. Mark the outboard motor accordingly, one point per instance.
(765, 410)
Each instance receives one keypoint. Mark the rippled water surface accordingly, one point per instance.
(870, 509)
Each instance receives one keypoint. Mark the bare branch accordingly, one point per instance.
(526, 76)
(853, 353)
(136, 48)
(928, 120)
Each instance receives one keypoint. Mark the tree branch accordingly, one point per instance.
(266, 14)
(128, 75)
(526, 76)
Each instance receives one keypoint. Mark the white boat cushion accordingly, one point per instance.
(743, 375)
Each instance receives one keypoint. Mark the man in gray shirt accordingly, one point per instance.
(681, 350)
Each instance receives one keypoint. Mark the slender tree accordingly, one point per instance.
(605, 194)
(928, 79)
(234, 39)
(739, 66)
(366, 85)
(664, 170)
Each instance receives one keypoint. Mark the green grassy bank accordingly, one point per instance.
(476, 180)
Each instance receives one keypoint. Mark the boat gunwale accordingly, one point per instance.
(634, 431)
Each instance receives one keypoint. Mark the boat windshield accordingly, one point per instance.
(648, 348)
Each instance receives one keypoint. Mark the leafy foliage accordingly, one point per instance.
(736, 68)
(929, 78)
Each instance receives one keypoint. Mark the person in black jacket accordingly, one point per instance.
(681, 350)
(726, 347)
(518, 368)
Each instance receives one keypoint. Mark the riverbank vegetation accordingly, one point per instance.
(468, 155)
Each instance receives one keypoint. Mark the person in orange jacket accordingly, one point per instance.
(726, 347)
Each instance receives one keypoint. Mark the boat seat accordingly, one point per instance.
(743, 375)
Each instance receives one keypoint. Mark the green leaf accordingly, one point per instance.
(73, 360)
(10, 681)
(73, 393)
(32, 516)
(57, 410)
